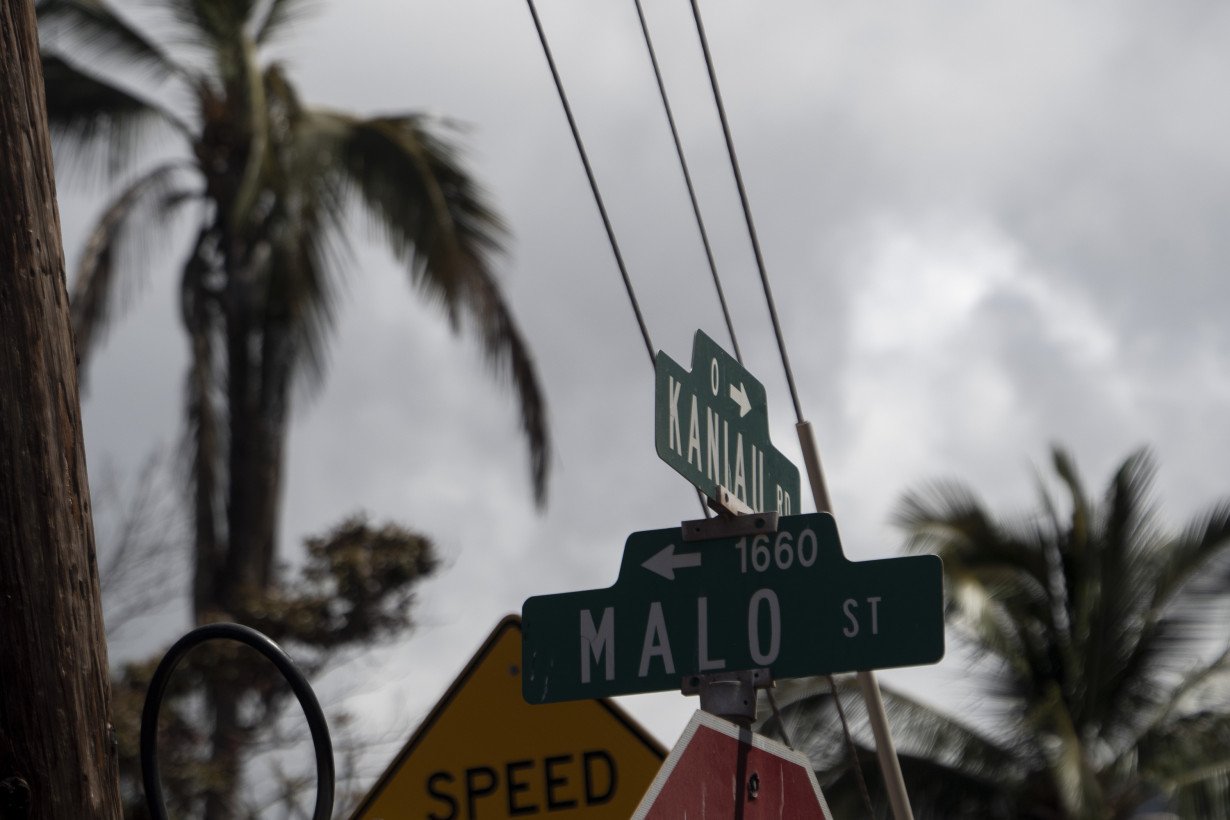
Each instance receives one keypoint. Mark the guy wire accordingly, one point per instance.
(777, 330)
(593, 182)
(781, 724)
(851, 748)
(687, 178)
(747, 212)
(593, 186)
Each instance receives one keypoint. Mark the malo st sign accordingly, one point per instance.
(788, 601)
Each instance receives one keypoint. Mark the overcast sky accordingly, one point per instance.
(990, 226)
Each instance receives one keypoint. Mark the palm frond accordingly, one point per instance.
(1131, 537)
(810, 716)
(947, 519)
(1120, 709)
(1129, 508)
(1208, 797)
(1114, 665)
(1204, 687)
(941, 737)
(143, 206)
(1073, 773)
(1081, 513)
(87, 113)
(998, 576)
(1190, 759)
(1080, 575)
(1156, 642)
(210, 22)
(950, 769)
(438, 223)
(96, 26)
(305, 253)
(1198, 556)
(280, 15)
(509, 355)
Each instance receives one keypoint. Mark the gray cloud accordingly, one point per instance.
(989, 227)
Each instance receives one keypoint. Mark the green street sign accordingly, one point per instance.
(788, 601)
(712, 426)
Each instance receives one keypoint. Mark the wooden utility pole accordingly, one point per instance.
(57, 757)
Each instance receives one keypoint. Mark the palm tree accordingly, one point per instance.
(267, 181)
(1100, 640)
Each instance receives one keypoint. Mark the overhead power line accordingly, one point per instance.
(593, 186)
(747, 211)
(593, 182)
(815, 474)
(687, 178)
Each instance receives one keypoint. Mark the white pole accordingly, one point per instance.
(890, 767)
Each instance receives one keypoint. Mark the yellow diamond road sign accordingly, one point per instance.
(483, 752)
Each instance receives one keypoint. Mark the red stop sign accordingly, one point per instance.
(720, 771)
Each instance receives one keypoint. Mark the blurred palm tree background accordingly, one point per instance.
(1099, 645)
(267, 184)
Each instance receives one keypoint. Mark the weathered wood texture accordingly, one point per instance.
(56, 757)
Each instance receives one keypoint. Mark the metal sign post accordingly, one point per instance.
(890, 766)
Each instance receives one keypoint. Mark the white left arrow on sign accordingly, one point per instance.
(664, 562)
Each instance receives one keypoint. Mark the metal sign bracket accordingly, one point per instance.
(734, 519)
(729, 695)
(727, 504)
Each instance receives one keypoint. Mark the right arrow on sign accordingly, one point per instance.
(711, 424)
(665, 561)
(739, 397)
